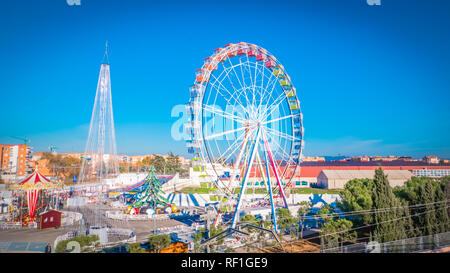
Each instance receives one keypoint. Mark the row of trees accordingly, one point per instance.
(418, 208)
(373, 210)
(171, 165)
(155, 243)
(63, 167)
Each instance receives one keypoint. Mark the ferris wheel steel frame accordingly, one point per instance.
(284, 159)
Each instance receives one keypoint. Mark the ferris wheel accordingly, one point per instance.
(245, 123)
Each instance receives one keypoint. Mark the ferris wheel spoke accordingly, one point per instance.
(221, 113)
(246, 176)
(269, 152)
(278, 119)
(281, 134)
(237, 99)
(272, 84)
(283, 152)
(224, 133)
(275, 105)
(263, 89)
(238, 94)
(232, 153)
(276, 102)
(252, 82)
(237, 77)
(238, 159)
(245, 88)
(231, 147)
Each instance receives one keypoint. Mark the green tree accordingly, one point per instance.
(200, 235)
(160, 164)
(428, 204)
(173, 163)
(303, 210)
(391, 223)
(356, 196)
(83, 240)
(285, 220)
(442, 217)
(337, 232)
(325, 214)
(426, 191)
(445, 182)
(135, 248)
(159, 242)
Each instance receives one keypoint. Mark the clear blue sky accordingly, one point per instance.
(371, 79)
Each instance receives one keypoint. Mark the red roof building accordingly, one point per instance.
(50, 219)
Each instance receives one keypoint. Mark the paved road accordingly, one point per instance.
(31, 235)
(142, 229)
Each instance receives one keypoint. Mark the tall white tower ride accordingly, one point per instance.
(100, 155)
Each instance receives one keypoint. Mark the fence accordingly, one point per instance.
(416, 244)
(117, 215)
(10, 225)
(69, 218)
(128, 233)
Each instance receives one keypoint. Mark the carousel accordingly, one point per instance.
(34, 185)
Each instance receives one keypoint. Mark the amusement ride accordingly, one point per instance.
(244, 115)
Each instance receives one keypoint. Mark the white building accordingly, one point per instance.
(336, 179)
(434, 173)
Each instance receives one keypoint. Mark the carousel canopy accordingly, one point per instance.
(36, 181)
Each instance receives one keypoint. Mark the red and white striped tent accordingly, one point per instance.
(32, 184)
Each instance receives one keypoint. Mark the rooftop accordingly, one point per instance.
(353, 174)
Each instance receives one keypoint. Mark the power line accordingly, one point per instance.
(362, 212)
(390, 233)
(366, 226)
(357, 212)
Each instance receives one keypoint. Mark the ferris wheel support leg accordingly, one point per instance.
(266, 143)
(238, 161)
(274, 216)
(247, 174)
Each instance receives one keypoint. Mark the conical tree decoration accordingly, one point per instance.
(100, 156)
(152, 194)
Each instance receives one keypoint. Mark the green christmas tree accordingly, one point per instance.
(152, 193)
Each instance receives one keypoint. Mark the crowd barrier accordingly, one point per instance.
(128, 233)
(10, 225)
(118, 215)
(70, 217)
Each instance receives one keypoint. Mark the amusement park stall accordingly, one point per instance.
(50, 219)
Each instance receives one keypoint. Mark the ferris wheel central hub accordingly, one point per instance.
(251, 124)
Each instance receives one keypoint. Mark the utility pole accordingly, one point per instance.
(207, 234)
(208, 217)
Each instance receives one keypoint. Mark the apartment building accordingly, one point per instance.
(15, 159)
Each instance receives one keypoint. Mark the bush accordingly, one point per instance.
(82, 240)
(159, 242)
